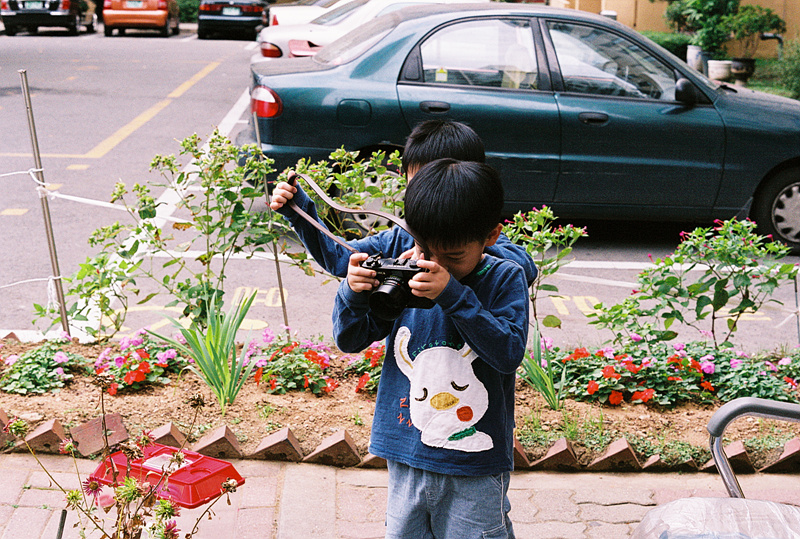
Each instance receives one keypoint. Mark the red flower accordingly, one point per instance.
(273, 383)
(615, 398)
(609, 372)
(305, 384)
(631, 367)
(675, 378)
(790, 381)
(643, 396)
(707, 386)
(144, 368)
(579, 353)
(142, 353)
(362, 382)
(330, 385)
(592, 387)
(677, 360)
(695, 365)
(258, 375)
(112, 389)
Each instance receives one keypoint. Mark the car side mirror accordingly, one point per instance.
(686, 93)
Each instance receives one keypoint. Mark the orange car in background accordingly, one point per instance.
(162, 15)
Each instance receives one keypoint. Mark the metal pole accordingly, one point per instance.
(48, 225)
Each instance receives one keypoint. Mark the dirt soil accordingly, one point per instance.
(256, 413)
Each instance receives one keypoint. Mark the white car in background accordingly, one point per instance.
(301, 12)
(306, 39)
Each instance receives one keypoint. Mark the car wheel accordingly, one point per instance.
(33, 30)
(108, 30)
(177, 29)
(11, 30)
(776, 208)
(75, 26)
(202, 33)
(165, 29)
(91, 27)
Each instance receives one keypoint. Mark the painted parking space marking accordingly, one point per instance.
(14, 211)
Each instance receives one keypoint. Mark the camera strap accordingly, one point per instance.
(292, 179)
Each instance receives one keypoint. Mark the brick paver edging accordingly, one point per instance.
(340, 450)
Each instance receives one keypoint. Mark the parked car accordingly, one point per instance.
(300, 12)
(32, 14)
(576, 111)
(242, 17)
(305, 39)
(161, 15)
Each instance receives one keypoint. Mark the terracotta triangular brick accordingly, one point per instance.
(338, 449)
(371, 461)
(737, 456)
(560, 456)
(618, 457)
(220, 443)
(521, 461)
(11, 336)
(6, 439)
(46, 437)
(89, 436)
(280, 445)
(789, 461)
(168, 434)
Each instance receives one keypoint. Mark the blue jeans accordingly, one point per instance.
(428, 505)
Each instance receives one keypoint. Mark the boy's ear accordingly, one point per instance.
(493, 235)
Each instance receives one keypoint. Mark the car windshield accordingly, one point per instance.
(355, 43)
(335, 15)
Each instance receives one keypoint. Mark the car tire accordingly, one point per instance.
(165, 29)
(202, 33)
(33, 30)
(177, 29)
(75, 26)
(108, 30)
(776, 208)
(11, 30)
(92, 26)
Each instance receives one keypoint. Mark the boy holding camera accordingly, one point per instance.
(444, 415)
(429, 140)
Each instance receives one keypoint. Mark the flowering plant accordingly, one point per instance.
(140, 361)
(368, 367)
(45, 368)
(291, 365)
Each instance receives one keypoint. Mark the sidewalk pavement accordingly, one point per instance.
(282, 500)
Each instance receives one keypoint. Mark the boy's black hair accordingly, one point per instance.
(451, 203)
(435, 139)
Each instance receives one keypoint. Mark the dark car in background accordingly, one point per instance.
(30, 15)
(576, 111)
(240, 17)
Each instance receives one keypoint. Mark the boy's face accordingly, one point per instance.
(459, 261)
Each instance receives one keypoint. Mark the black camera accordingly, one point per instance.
(393, 294)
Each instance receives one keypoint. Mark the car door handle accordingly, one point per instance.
(593, 118)
(434, 107)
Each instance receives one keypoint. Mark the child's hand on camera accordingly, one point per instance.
(360, 279)
(281, 195)
(431, 283)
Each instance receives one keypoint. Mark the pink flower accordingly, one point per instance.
(10, 360)
(735, 363)
(678, 346)
(119, 361)
(771, 365)
(180, 338)
(267, 336)
(547, 343)
(59, 371)
(707, 367)
(102, 357)
(162, 357)
(635, 337)
(785, 361)
(60, 357)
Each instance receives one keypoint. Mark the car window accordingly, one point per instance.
(395, 7)
(338, 13)
(595, 61)
(497, 53)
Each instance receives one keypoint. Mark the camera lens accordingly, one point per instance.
(389, 299)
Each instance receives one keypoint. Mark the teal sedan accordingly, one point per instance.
(576, 111)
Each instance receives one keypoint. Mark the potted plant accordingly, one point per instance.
(702, 19)
(746, 26)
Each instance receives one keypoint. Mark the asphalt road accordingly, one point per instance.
(104, 107)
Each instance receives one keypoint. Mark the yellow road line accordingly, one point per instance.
(180, 90)
(121, 134)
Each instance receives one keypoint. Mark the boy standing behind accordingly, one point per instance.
(444, 415)
(432, 139)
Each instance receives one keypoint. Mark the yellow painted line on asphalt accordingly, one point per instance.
(77, 167)
(124, 132)
(14, 211)
(180, 90)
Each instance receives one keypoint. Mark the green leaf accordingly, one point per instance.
(551, 321)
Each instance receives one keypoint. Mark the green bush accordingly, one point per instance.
(789, 68)
(188, 10)
(673, 42)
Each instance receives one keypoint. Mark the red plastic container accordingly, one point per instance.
(195, 483)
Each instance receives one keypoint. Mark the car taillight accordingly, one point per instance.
(268, 50)
(106, 4)
(208, 7)
(4, 4)
(162, 4)
(274, 21)
(265, 102)
(65, 5)
(252, 8)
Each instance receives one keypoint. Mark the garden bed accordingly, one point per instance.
(256, 413)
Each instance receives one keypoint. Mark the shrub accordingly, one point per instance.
(188, 9)
(290, 365)
(368, 367)
(674, 42)
(789, 68)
